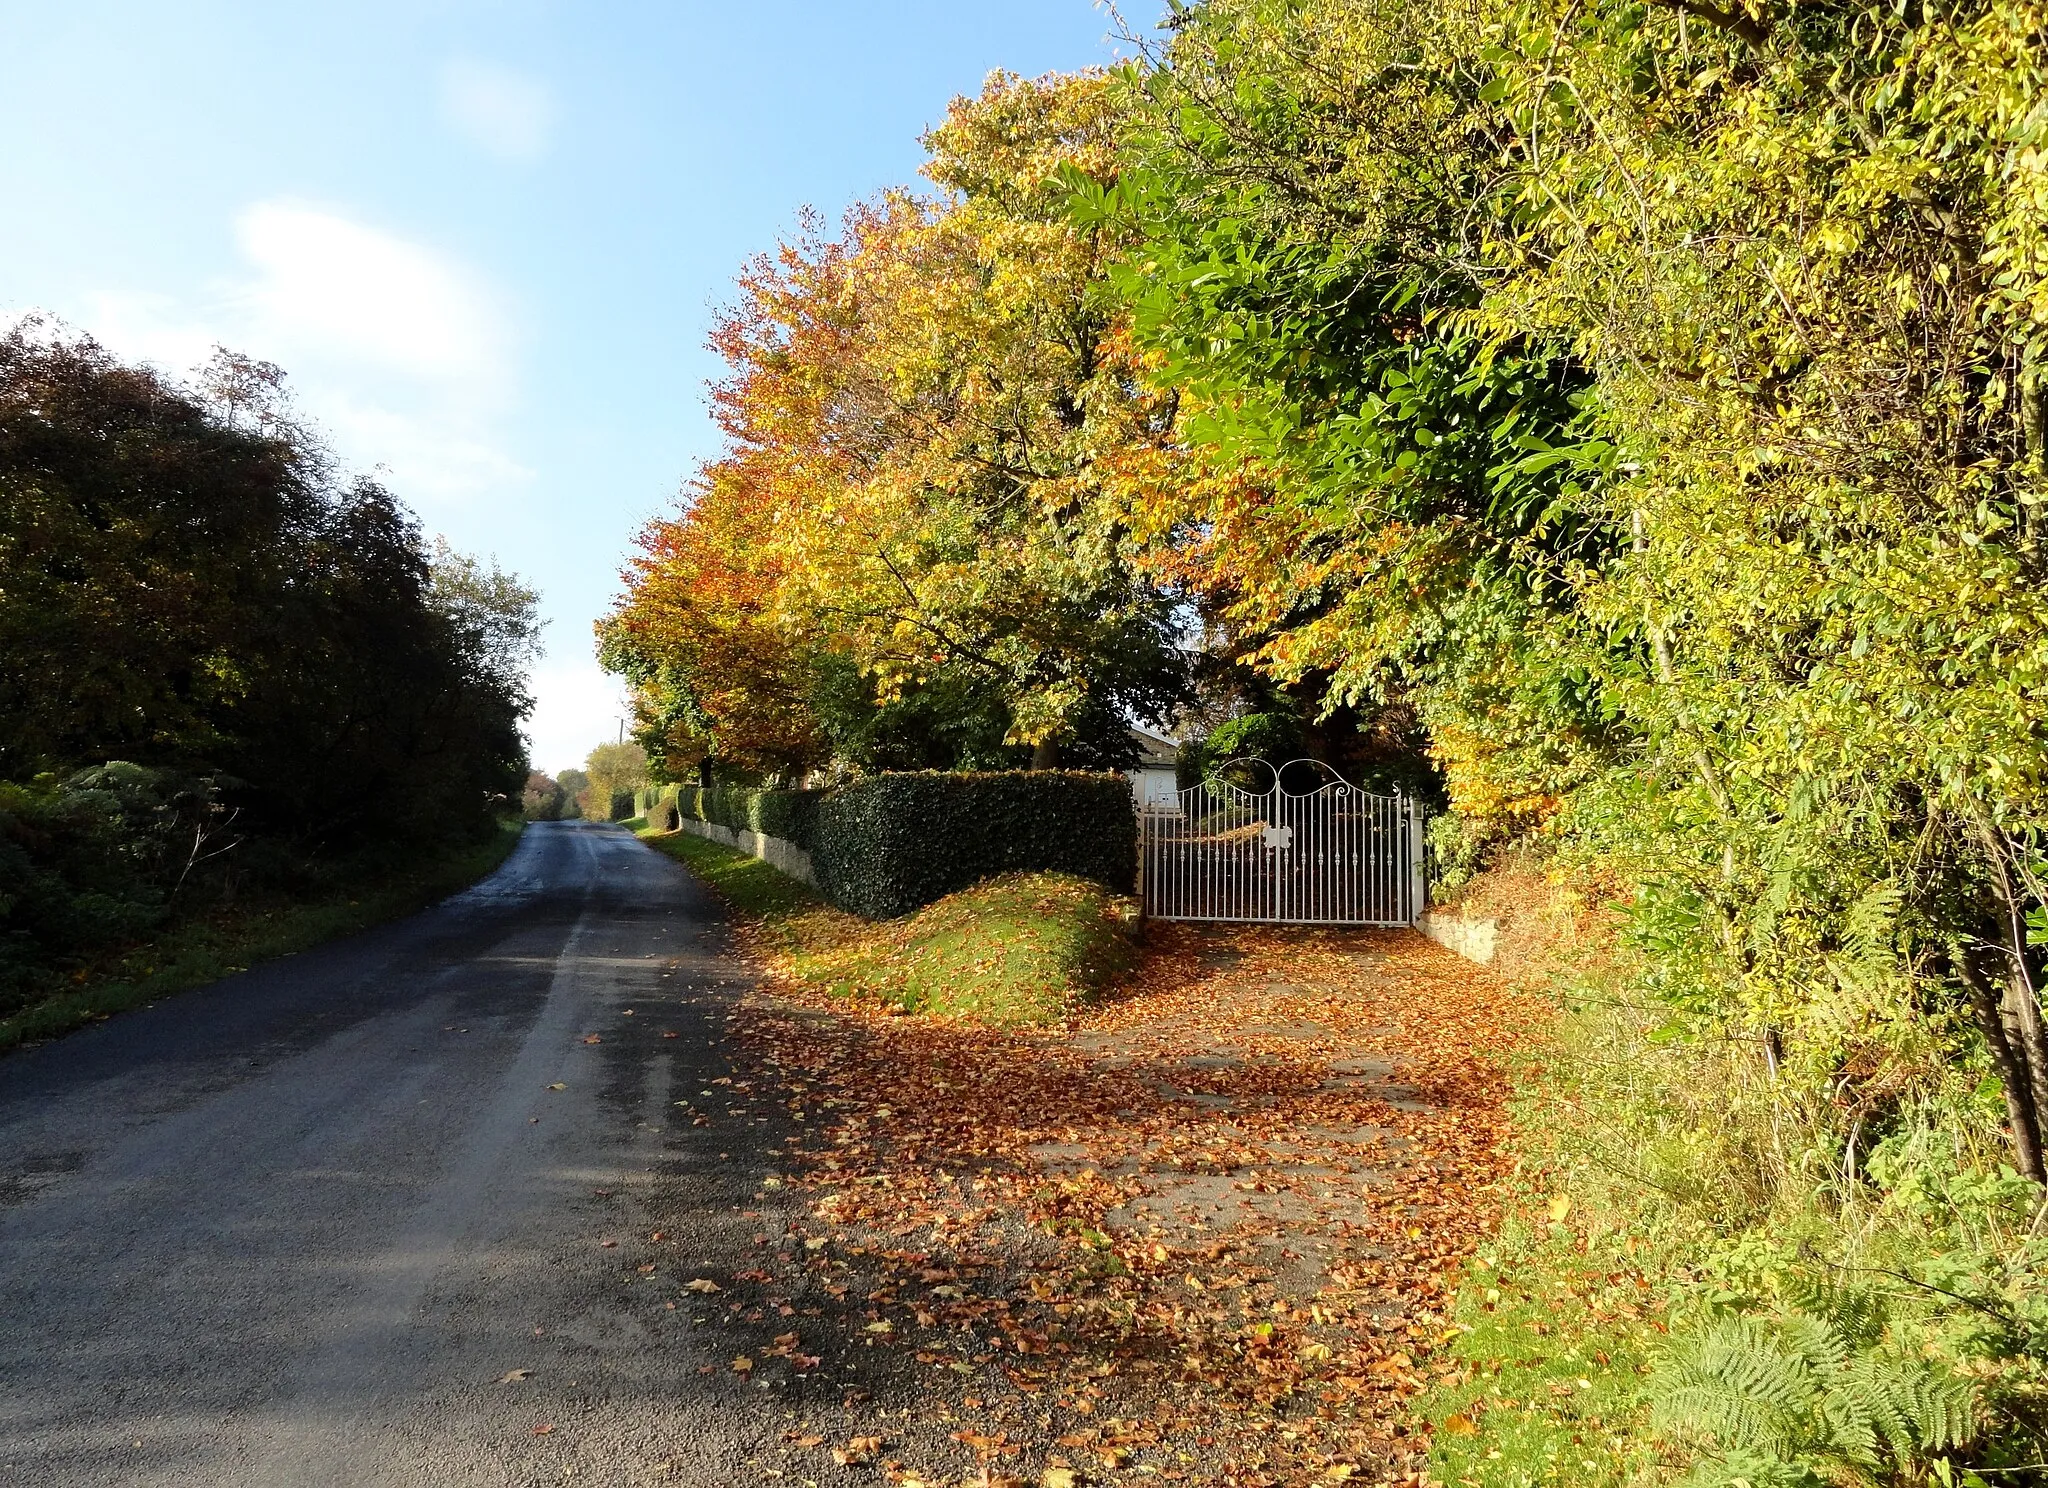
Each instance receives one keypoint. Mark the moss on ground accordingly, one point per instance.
(1021, 949)
(202, 950)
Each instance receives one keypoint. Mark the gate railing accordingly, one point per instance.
(1335, 855)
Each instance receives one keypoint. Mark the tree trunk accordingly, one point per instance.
(1045, 754)
(2019, 1010)
(2015, 1069)
(704, 773)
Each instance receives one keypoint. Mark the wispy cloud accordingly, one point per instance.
(403, 353)
(501, 111)
(340, 289)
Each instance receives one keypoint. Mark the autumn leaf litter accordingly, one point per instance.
(1205, 1231)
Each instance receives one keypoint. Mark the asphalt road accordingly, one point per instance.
(308, 1225)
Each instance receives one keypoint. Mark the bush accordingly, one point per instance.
(91, 862)
(789, 814)
(893, 843)
(1272, 737)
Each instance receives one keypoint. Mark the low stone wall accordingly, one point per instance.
(778, 853)
(1472, 939)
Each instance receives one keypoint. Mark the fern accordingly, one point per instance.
(1804, 1392)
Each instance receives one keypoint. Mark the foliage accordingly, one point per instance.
(1811, 1390)
(893, 843)
(790, 815)
(543, 799)
(904, 522)
(1269, 738)
(190, 586)
(615, 771)
(574, 785)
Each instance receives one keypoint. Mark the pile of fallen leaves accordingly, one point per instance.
(1206, 1231)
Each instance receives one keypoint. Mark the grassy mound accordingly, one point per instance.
(1020, 949)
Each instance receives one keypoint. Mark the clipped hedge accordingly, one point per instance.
(891, 844)
(790, 815)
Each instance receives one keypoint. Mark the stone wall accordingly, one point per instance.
(1472, 939)
(776, 852)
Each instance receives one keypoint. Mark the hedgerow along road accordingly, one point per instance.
(383, 1212)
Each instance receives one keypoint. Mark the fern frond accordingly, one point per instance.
(1917, 1408)
(1735, 1384)
(1751, 1470)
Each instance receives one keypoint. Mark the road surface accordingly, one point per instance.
(343, 1219)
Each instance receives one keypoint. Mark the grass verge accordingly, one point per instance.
(202, 950)
(1704, 1278)
(1022, 949)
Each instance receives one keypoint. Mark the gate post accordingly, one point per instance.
(1418, 883)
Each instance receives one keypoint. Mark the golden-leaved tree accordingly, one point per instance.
(916, 412)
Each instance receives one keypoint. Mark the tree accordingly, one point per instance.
(1650, 395)
(615, 771)
(192, 586)
(915, 412)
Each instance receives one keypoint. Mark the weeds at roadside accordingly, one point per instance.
(218, 944)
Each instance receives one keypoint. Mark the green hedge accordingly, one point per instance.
(790, 815)
(894, 843)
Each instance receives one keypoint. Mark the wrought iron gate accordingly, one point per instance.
(1334, 855)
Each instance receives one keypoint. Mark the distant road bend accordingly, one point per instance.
(332, 1221)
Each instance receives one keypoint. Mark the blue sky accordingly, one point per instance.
(485, 240)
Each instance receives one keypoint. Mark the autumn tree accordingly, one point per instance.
(914, 414)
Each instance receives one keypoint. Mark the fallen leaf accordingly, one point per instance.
(1059, 1477)
(591, 1038)
(1559, 1208)
(544, 1430)
(513, 1376)
(1458, 1426)
(703, 1284)
(742, 1364)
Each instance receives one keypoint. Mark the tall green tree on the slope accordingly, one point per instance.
(1658, 392)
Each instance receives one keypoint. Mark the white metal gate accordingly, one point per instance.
(1335, 855)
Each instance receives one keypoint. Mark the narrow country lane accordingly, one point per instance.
(343, 1219)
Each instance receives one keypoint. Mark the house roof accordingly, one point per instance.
(1155, 750)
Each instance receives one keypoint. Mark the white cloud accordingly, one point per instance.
(338, 288)
(403, 354)
(577, 706)
(502, 112)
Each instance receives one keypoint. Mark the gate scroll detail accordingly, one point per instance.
(1333, 855)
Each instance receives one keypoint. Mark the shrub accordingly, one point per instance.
(789, 814)
(90, 862)
(893, 843)
(1272, 737)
